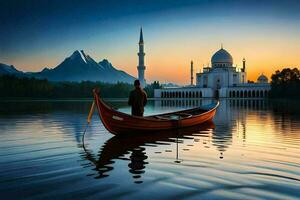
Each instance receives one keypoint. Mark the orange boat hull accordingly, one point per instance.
(122, 123)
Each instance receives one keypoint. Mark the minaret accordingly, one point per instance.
(192, 73)
(141, 67)
(244, 65)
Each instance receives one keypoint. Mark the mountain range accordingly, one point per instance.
(77, 67)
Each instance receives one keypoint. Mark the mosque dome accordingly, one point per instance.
(262, 79)
(221, 59)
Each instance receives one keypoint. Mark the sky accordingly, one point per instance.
(41, 33)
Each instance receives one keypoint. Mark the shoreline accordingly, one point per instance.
(74, 99)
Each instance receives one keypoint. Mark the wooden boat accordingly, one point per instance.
(121, 123)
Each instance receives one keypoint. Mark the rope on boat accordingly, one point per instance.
(83, 146)
(89, 118)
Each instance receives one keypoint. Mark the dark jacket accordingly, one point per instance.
(137, 101)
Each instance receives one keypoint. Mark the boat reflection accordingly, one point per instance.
(119, 146)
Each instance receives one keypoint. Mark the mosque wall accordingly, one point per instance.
(240, 91)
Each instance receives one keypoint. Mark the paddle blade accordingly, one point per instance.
(91, 112)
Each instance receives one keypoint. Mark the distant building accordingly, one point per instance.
(262, 79)
(222, 79)
(141, 67)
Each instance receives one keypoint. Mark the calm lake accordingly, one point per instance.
(251, 151)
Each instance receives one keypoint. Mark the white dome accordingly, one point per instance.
(262, 79)
(221, 59)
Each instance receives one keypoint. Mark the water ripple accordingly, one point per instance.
(250, 152)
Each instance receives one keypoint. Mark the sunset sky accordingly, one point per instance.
(38, 34)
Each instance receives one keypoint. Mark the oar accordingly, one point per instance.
(91, 112)
(89, 118)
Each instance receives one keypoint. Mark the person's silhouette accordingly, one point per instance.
(137, 99)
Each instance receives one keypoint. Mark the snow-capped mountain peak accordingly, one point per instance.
(82, 56)
(78, 67)
(79, 54)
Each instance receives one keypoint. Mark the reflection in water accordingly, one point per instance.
(229, 120)
(221, 141)
(252, 152)
(137, 164)
(118, 146)
(260, 104)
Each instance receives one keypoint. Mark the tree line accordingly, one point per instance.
(24, 87)
(286, 84)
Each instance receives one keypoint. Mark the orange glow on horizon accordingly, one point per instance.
(176, 67)
(168, 59)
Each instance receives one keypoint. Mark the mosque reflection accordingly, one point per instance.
(245, 103)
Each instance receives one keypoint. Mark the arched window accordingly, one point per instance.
(186, 94)
(245, 94)
(249, 93)
(182, 95)
(261, 94)
(230, 95)
(190, 95)
(266, 93)
(242, 94)
(233, 94)
(197, 94)
(253, 93)
(179, 94)
(200, 94)
(257, 93)
(193, 95)
(237, 94)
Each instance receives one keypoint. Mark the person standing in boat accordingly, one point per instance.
(137, 99)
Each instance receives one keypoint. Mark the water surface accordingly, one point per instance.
(250, 151)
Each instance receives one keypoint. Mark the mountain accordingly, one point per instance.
(9, 69)
(117, 74)
(81, 67)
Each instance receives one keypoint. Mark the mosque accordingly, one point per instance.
(221, 79)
